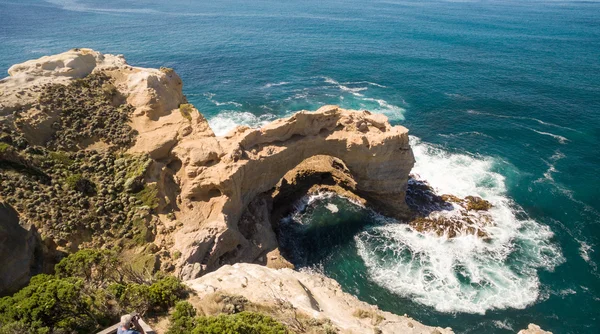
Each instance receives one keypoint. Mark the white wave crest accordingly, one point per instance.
(466, 273)
(227, 120)
(585, 250)
(551, 162)
(560, 139)
(390, 110)
(210, 96)
(364, 82)
(269, 85)
(466, 133)
(475, 112)
(77, 6)
(353, 91)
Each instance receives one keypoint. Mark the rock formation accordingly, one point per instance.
(124, 162)
(533, 329)
(311, 294)
(20, 247)
(203, 184)
(220, 176)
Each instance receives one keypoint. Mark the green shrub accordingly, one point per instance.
(72, 180)
(182, 320)
(165, 292)
(239, 323)
(49, 303)
(92, 265)
(157, 297)
(60, 157)
(186, 110)
(148, 196)
(4, 147)
(90, 290)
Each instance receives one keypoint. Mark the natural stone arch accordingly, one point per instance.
(220, 176)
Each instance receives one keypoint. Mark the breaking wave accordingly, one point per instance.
(210, 96)
(227, 120)
(466, 273)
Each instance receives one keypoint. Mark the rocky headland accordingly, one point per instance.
(98, 154)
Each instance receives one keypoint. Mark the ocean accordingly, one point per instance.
(502, 99)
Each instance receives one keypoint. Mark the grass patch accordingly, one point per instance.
(72, 180)
(136, 165)
(186, 111)
(375, 317)
(4, 147)
(148, 196)
(143, 234)
(60, 157)
(176, 255)
(184, 320)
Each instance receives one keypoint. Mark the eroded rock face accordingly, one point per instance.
(205, 183)
(220, 176)
(20, 251)
(311, 294)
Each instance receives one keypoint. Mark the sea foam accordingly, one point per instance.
(227, 120)
(466, 273)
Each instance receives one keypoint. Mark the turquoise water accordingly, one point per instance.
(502, 98)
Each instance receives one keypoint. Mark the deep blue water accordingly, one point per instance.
(502, 98)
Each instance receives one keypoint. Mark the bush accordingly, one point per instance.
(97, 266)
(148, 196)
(182, 320)
(157, 297)
(165, 292)
(72, 180)
(4, 147)
(89, 291)
(49, 303)
(186, 111)
(245, 322)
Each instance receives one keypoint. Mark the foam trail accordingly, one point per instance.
(76, 6)
(269, 85)
(364, 82)
(585, 250)
(467, 133)
(558, 155)
(210, 96)
(353, 91)
(466, 273)
(475, 112)
(390, 110)
(560, 139)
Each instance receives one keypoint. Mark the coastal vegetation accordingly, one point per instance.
(184, 320)
(90, 109)
(89, 291)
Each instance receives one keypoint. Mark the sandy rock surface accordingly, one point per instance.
(313, 294)
(533, 329)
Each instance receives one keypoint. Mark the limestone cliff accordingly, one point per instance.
(98, 153)
(20, 246)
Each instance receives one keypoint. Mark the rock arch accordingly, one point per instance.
(221, 176)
